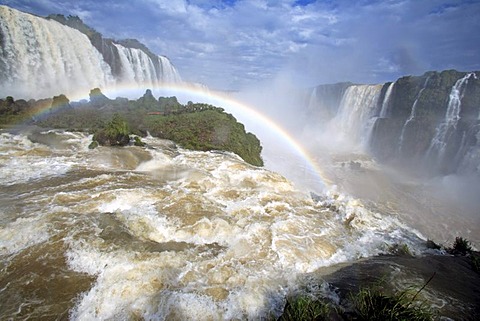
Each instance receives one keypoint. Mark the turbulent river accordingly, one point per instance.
(165, 233)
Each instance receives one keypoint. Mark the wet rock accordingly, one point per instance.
(453, 292)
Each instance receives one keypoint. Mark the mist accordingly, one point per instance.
(439, 206)
(334, 128)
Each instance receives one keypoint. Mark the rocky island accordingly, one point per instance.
(195, 126)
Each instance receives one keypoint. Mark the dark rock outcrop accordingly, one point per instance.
(97, 98)
(433, 121)
(429, 123)
(453, 291)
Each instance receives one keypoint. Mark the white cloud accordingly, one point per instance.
(172, 7)
(231, 43)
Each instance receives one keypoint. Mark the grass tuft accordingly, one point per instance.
(306, 308)
(371, 304)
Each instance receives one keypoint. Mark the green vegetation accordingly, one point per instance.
(306, 308)
(369, 304)
(461, 246)
(114, 133)
(208, 130)
(195, 126)
(372, 304)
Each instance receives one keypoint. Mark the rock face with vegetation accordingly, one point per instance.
(430, 123)
(207, 128)
(114, 133)
(433, 119)
(194, 126)
(442, 284)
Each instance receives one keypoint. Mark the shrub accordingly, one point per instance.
(115, 133)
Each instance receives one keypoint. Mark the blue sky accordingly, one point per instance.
(237, 43)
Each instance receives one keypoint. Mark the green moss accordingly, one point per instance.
(138, 142)
(93, 145)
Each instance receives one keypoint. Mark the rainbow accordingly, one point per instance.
(186, 92)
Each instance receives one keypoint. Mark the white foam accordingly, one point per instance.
(159, 160)
(246, 233)
(22, 233)
(21, 170)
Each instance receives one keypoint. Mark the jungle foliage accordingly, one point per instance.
(196, 126)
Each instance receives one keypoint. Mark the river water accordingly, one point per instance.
(165, 233)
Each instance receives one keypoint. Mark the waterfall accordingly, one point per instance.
(452, 115)
(386, 101)
(168, 72)
(412, 114)
(137, 67)
(356, 110)
(42, 57)
(312, 101)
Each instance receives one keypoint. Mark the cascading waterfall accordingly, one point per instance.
(42, 57)
(137, 67)
(388, 124)
(45, 58)
(168, 72)
(356, 110)
(412, 114)
(312, 100)
(452, 115)
(386, 101)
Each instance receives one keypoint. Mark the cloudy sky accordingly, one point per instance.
(236, 43)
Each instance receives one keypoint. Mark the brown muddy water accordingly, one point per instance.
(164, 233)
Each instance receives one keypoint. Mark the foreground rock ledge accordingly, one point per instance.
(454, 291)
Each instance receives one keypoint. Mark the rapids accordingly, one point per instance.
(165, 233)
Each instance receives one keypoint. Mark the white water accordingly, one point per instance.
(452, 115)
(42, 58)
(138, 68)
(171, 234)
(386, 101)
(45, 58)
(168, 73)
(357, 106)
